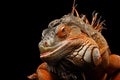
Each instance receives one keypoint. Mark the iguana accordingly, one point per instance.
(72, 48)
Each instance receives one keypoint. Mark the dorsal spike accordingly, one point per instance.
(74, 9)
(94, 18)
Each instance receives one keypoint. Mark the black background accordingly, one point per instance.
(25, 20)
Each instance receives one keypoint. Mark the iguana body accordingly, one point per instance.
(74, 49)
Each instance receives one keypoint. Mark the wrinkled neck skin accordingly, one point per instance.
(89, 30)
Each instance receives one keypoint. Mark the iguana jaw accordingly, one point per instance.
(54, 53)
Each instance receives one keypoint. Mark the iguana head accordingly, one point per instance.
(57, 40)
(63, 36)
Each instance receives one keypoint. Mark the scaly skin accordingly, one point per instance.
(74, 49)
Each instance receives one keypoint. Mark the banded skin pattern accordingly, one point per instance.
(72, 48)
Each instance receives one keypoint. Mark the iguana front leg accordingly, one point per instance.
(42, 73)
(113, 69)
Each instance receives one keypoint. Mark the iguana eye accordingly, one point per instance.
(63, 31)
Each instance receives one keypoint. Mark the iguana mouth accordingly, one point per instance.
(54, 52)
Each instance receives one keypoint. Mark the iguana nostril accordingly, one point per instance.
(46, 44)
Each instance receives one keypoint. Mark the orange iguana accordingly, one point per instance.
(72, 48)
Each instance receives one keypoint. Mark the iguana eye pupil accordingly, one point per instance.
(63, 29)
(61, 32)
